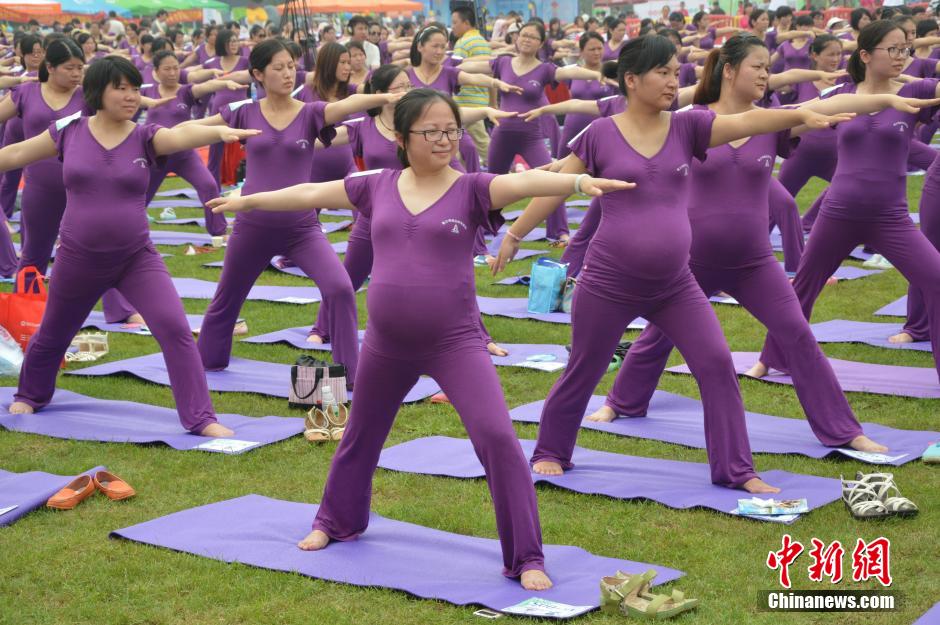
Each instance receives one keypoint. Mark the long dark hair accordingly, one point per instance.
(409, 109)
(821, 42)
(414, 55)
(325, 83)
(732, 53)
(381, 80)
(221, 41)
(868, 39)
(58, 52)
(856, 16)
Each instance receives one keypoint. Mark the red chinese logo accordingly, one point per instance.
(827, 561)
(784, 558)
(872, 560)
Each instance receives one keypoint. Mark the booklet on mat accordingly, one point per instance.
(227, 445)
(772, 507)
(779, 518)
(7, 509)
(296, 300)
(871, 457)
(541, 366)
(545, 608)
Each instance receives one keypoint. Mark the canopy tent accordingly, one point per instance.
(362, 6)
(92, 7)
(31, 7)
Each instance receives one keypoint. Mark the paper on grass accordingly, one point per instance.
(296, 300)
(227, 445)
(545, 608)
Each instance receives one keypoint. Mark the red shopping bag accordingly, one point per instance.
(21, 312)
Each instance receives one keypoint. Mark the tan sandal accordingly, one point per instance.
(317, 426)
(338, 417)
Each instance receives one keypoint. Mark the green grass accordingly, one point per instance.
(62, 568)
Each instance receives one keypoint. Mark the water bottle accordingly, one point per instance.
(254, 91)
(329, 402)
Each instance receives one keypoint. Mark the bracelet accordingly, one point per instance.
(514, 237)
(577, 182)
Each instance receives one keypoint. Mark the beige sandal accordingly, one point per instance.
(338, 418)
(317, 426)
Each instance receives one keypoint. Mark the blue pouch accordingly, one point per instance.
(546, 285)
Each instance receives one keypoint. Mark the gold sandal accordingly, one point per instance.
(317, 426)
(338, 417)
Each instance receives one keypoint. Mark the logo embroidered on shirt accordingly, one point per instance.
(683, 169)
(303, 143)
(901, 126)
(457, 225)
(141, 162)
(766, 160)
(182, 106)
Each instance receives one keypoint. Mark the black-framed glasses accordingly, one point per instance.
(433, 136)
(895, 52)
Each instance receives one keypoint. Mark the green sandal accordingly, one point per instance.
(658, 606)
(615, 590)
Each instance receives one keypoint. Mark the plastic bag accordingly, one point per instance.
(546, 285)
(11, 356)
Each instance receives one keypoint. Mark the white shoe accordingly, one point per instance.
(877, 261)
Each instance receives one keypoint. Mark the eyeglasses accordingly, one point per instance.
(433, 136)
(375, 33)
(532, 37)
(401, 89)
(896, 53)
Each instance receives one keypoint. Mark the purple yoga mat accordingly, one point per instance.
(190, 221)
(175, 203)
(575, 216)
(243, 375)
(77, 417)
(897, 308)
(183, 192)
(172, 237)
(862, 377)
(670, 482)
(96, 320)
(516, 308)
(425, 562)
(869, 333)
(518, 352)
(859, 253)
(191, 288)
(677, 419)
(930, 617)
(30, 491)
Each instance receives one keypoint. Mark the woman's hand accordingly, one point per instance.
(912, 105)
(814, 120)
(832, 77)
(506, 87)
(494, 115)
(231, 135)
(533, 114)
(231, 85)
(507, 251)
(228, 204)
(599, 186)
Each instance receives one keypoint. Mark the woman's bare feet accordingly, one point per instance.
(216, 430)
(547, 467)
(756, 486)
(901, 337)
(496, 350)
(757, 371)
(863, 443)
(135, 318)
(535, 580)
(315, 541)
(19, 407)
(315, 338)
(604, 414)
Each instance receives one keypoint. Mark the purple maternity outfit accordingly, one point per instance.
(278, 158)
(105, 244)
(867, 203)
(187, 164)
(422, 321)
(638, 265)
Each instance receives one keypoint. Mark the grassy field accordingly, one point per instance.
(62, 568)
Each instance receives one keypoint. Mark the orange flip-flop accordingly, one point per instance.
(77, 491)
(114, 487)
(439, 398)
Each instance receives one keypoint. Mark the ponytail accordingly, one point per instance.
(868, 39)
(709, 87)
(732, 53)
